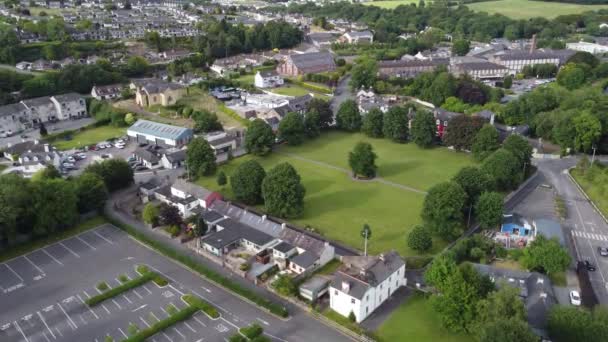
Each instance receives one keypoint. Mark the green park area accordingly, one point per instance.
(516, 9)
(90, 136)
(415, 320)
(337, 206)
(595, 183)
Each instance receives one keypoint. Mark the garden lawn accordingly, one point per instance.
(90, 136)
(200, 100)
(524, 9)
(295, 90)
(338, 207)
(415, 320)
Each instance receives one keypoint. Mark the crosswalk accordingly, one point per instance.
(590, 236)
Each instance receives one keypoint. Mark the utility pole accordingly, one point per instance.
(593, 156)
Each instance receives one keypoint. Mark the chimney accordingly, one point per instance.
(47, 148)
(263, 218)
(533, 44)
(345, 286)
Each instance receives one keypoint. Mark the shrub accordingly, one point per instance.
(252, 331)
(132, 329)
(142, 269)
(197, 302)
(237, 338)
(171, 309)
(103, 286)
(108, 338)
(244, 267)
(123, 278)
(352, 317)
(129, 284)
(173, 230)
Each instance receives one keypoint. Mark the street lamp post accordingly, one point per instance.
(593, 156)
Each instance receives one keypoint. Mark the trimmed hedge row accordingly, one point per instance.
(177, 317)
(120, 289)
(252, 331)
(170, 252)
(202, 305)
(313, 87)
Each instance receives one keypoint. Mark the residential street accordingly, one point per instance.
(341, 94)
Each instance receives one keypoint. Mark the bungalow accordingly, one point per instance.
(173, 158)
(357, 37)
(147, 156)
(221, 142)
(364, 283)
(231, 234)
(268, 79)
(34, 161)
(312, 252)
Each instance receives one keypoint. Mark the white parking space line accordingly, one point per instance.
(86, 294)
(73, 325)
(123, 333)
(147, 289)
(52, 257)
(117, 305)
(165, 311)
(36, 266)
(127, 298)
(179, 333)
(189, 327)
(101, 236)
(86, 243)
(58, 332)
(104, 307)
(91, 311)
(199, 321)
(167, 337)
(144, 321)
(15, 273)
(21, 331)
(46, 325)
(69, 250)
(46, 337)
(153, 315)
(137, 294)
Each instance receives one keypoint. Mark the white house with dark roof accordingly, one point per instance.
(107, 92)
(188, 197)
(150, 132)
(268, 79)
(363, 283)
(357, 37)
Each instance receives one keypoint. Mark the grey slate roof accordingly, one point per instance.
(176, 156)
(314, 59)
(38, 101)
(305, 260)
(302, 240)
(268, 73)
(25, 146)
(160, 130)
(11, 109)
(146, 155)
(191, 188)
(211, 216)
(258, 222)
(234, 231)
(284, 247)
(69, 97)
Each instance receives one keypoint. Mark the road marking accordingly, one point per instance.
(93, 312)
(74, 326)
(104, 307)
(86, 243)
(167, 336)
(69, 250)
(179, 332)
(47, 338)
(123, 333)
(208, 300)
(127, 298)
(36, 266)
(101, 236)
(86, 294)
(143, 320)
(115, 303)
(21, 331)
(189, 327)
(165, 311)
(227, 321)
(147, 289)
(15, 273)
(206, 289)
(139, 308)
(199, 321)
(52, 257)
(46, 325)
(58, 331)
(263, 321)
(153, 315)
(274, 337)
(137, 294)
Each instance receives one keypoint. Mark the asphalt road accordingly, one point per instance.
(43, 294)
(587, 227)
(341, 94)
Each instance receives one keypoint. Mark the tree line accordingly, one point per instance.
(47, 203)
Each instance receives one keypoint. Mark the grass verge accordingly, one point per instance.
(32, 245)
(191, 263)
(127, 285)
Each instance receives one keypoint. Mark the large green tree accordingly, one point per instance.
(205, 121)
(348, 117)
(571, 76)
(364, 74)
(588, 131)
(246, 182)
(291, 129)
(259, 138)
(442, 209)
(312, 124)
(423, 129)
(91, 191)
(489, 210)
(503, 168)
(200, 158)
(362, 160)
(419, 239)
(396, 124)
(283, 191)
(55, 204)
(15, 207)
(486, 142)
(373, 123)
(520, 148)
(116, 173)
(567, 324)
(473, 181)
(460, 47)
(462, 130)
(326, 116)
(546, 255)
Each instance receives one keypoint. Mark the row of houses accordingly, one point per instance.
(30, 113)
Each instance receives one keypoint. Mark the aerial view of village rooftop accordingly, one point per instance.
(304, 171)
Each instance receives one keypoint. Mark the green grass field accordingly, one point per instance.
(295, 90)
(516, 9)
(596, 188)
(415, 320)
(338, 206)
(90, 137)
(524, 9)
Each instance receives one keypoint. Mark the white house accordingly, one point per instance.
(365, 282)
(587, 47)
(357, 37)
(107, 92)
(186, 196)
(221, 142)
(268, 79)
(150, 132)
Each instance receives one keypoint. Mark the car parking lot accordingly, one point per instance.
(90, 156)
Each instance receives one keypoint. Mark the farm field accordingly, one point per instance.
(423, 324)
(524, 9)
(90, 137)
(391, 4)
(338, 207)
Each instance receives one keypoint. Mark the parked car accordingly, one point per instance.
(93, 148)
(67, 165)
(587, 264)
(82, 155)
(105, 156)
(575, 298)
(119, 145)
(603, 251)
(71, 159)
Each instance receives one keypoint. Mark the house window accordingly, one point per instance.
(380, 286)
(366, 310)
(352, 300)
(366, 298)
(336, 292)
